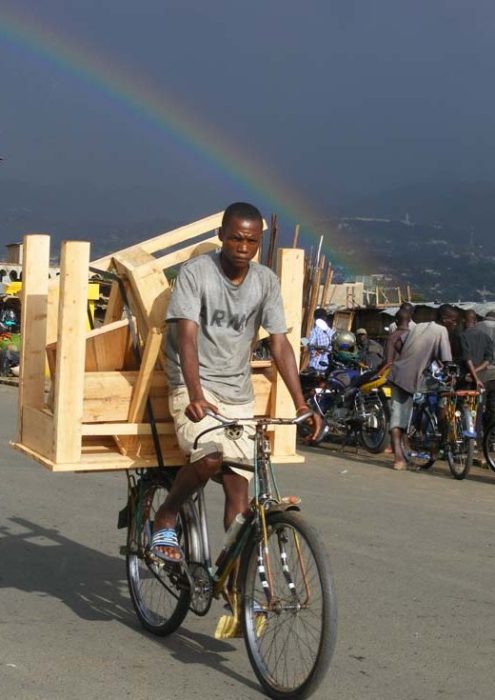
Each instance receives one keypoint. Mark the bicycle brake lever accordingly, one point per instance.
(302, 418)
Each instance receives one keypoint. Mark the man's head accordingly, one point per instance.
(403, 317)
(470, 318)
(240, 233)
(447, 316)
(320, 314)
(407, 306)
(361, 337)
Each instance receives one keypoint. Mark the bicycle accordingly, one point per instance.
(273, 572)
(421, 441)
(460, 415)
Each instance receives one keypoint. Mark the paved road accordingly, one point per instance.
(413, 557)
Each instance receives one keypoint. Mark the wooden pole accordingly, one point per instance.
(325, 300)
(295, 240)
(273, 239)
(34, 305)
(71, 351)
(290, 268)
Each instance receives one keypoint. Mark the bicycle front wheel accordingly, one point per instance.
(289, 610)
(459, 451)
(159, 595)
(489, 446)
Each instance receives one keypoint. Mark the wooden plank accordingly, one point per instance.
(37, 430)
(166, 240)
(150, 289)
(107, 348)
(107, 396)
(69, 372)
(290, 268)
(262, 387)
(140, 394)
(95, 429)
(115, 305)
(191, 251)
(315, 288)
(325, 299)
(34, 303)
(98, 462)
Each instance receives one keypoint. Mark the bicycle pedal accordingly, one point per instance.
(228, 627)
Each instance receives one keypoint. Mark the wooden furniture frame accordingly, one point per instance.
(94, 415)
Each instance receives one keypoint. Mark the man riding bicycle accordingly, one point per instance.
(219, 302)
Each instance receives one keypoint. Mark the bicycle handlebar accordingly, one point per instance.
(229, 422)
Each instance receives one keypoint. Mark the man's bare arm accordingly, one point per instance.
(187, 338)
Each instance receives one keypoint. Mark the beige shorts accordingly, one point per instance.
(236, 453)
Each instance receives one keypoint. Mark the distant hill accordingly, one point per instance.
(110, 218)
(461, 207)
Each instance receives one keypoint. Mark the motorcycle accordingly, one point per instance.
(352, 403)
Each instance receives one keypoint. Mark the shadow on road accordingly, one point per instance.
(41, 561)
(384, 461)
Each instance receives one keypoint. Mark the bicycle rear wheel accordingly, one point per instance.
(289, 610)
(420, 445)
(159, 593)
(489, 446)
(459, 451)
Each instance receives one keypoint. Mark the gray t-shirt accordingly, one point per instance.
(228, 317)
(424, 343)
(488, 327)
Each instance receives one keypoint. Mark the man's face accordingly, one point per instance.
(240, 241)
(450, 322)
(362, 339)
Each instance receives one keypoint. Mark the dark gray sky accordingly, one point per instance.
(325, 97)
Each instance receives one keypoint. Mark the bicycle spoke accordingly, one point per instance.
(290, 641)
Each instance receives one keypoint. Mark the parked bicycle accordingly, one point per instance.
(273, 572)
(425, 437)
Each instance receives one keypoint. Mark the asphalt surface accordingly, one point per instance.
(413, 556)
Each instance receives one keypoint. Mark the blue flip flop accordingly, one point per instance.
(166, 537)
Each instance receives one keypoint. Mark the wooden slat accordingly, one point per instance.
(115, 305)
(290, 268)
(149, 287)
(33, 321)
(191, 251)
(69, 373)
(107, 396)
(140, 394)
(37, 430)
(107, 348)
(166, 240)
(99, 462)
(94, 429)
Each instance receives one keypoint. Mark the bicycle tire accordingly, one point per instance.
(161, 604)
(375, 440)
(459, 451)
(421, 448)
(489, 446)
(264, 629)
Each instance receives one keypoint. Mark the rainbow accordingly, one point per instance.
(141, 97)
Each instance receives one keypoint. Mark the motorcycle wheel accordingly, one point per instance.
(373, 434)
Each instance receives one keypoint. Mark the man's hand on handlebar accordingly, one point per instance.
(197, 410)
(314, 419)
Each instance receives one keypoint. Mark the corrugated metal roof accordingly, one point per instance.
(481, 308)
